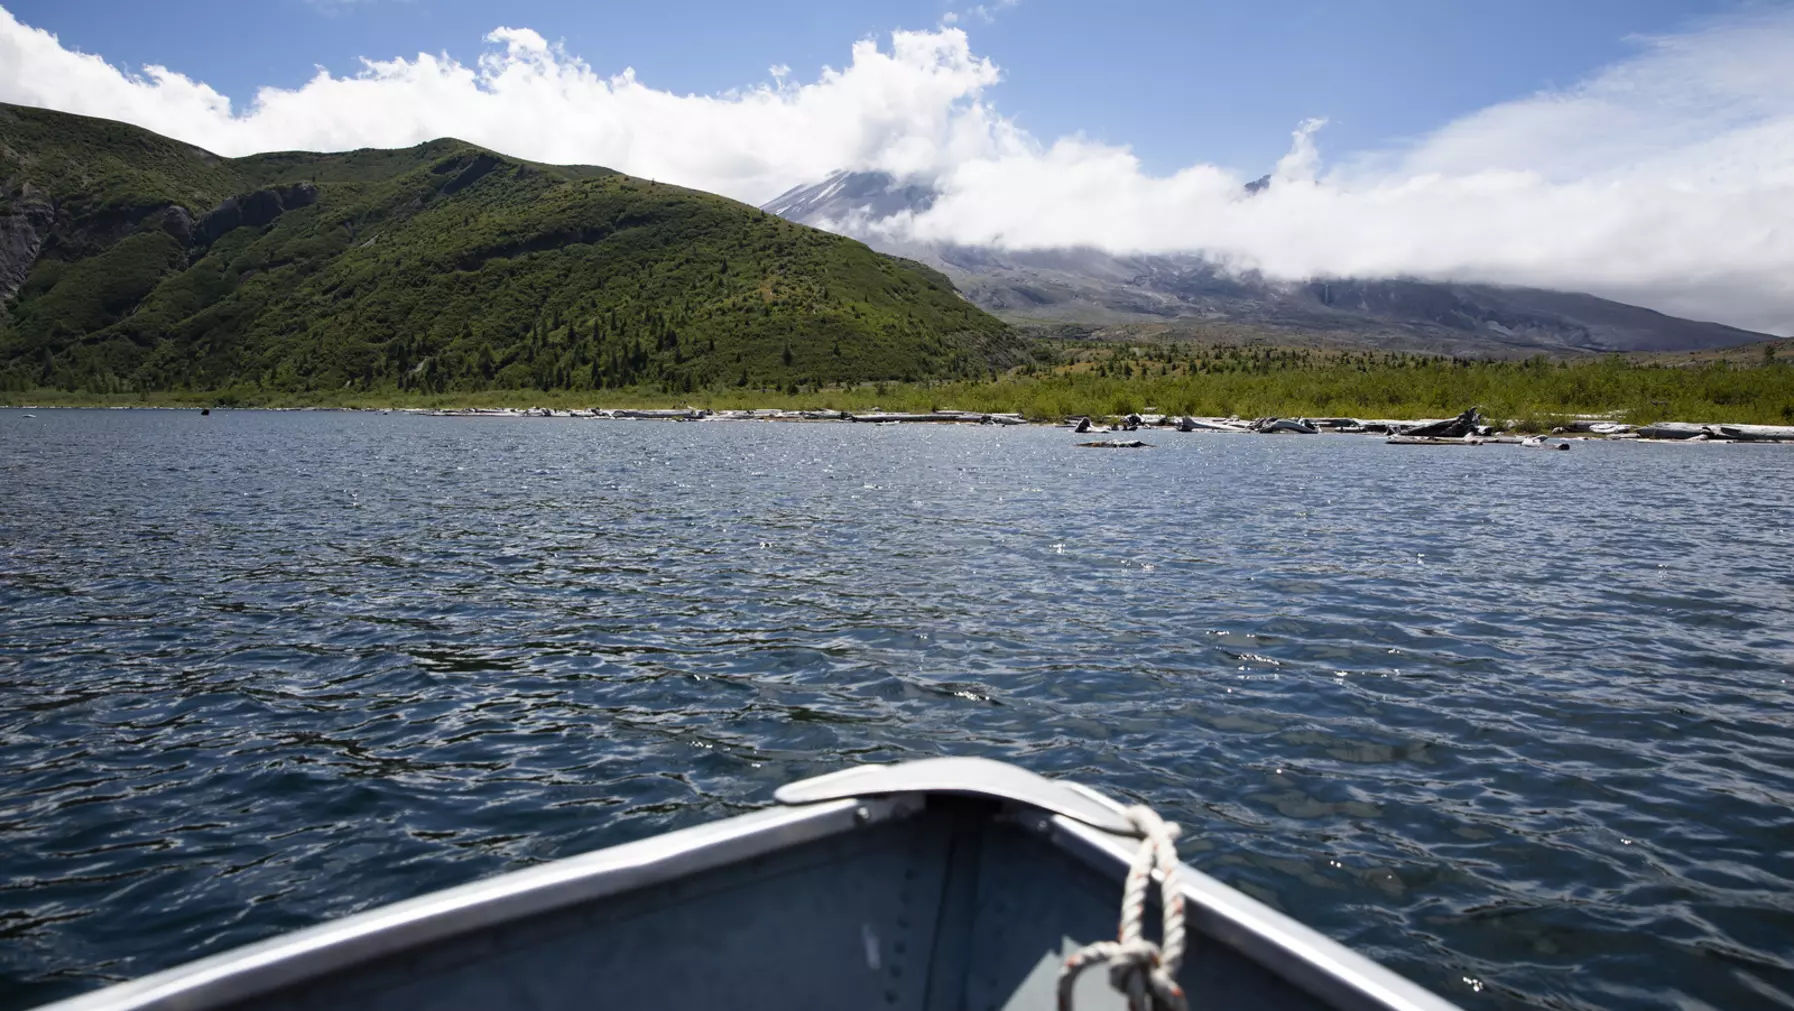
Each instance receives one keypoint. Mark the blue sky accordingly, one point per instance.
(1179, 81)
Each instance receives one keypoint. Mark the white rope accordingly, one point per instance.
(1139, 968)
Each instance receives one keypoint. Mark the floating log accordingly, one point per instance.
(1116, 444)
(1424, 440)
(937, 417)
(676, 414)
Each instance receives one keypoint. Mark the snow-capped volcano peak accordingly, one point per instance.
(846, 197)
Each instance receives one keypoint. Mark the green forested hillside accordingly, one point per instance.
(132, 262)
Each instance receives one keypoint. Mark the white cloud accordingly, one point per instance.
(1666, 179)
(903, 107)
(987, 13)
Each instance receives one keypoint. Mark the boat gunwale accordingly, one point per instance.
(257, 968)
(1325, 968)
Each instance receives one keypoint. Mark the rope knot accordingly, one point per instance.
(1138, 967)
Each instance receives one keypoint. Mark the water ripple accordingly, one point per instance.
(1519, 725)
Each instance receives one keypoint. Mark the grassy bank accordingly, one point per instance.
(1248, 383)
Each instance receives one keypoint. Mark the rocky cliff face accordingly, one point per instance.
(33, 226)
(254, 210)
(25, 222)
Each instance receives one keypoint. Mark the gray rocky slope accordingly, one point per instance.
(1088, 291)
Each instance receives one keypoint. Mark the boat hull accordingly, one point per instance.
(922, 899)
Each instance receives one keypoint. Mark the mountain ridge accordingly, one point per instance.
(1186, 295)
(132, 261)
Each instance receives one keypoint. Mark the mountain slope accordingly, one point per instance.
(130, 261)
(1172, 295)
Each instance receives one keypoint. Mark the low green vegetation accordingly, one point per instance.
(1070, 380)
(1269, 381)
(436, 270)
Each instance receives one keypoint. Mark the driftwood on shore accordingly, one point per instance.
(675, 414)
(1468, 428)
(1273, 426)
(1468, 423)
(1681, 430)
(1187, 424)
(936, 417)
(1597, 427)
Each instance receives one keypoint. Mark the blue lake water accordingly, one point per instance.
(1518, 724)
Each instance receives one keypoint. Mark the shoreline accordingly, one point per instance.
(1536, 396)
(1584, 428)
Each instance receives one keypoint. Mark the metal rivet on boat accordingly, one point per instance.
(862, 815)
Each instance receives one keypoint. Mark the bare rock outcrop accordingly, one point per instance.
(25, 222)
(254, 209)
